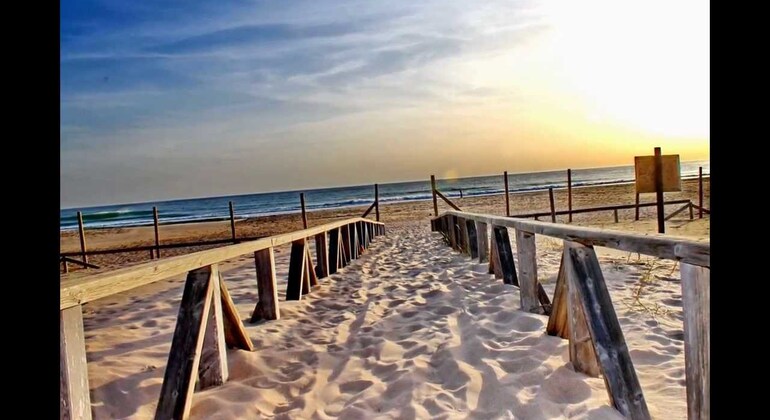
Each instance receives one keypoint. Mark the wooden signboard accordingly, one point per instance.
(644, 167)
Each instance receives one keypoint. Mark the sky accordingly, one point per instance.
(175, 99)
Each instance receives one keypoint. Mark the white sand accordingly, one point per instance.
(412, 329)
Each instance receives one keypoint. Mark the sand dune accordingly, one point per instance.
(412, 329)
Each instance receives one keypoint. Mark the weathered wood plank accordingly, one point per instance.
(494, 258)
(296, 270)
(335, 251)
(569, 194)
(232, 221)
(74, 397)
(304, 213)
(594, 209)
(672, 215)
(505, 255)
(696, 300)
(507, 194)
(157, 235)
(212, 369)
(433, 191)
(558, 324)
(346, 244)
(267, 288)
(310, 270)
(473, 245)
(581, 347)
(525, 249)
(587, 280)
(183, 359)
(322, 256)
(448, 201)
(695, 252)
(462, 234)
(452, 232)
(553, 206)
(235, 333)
(482, 238)
(82, 236)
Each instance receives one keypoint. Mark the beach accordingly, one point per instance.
(593, 196)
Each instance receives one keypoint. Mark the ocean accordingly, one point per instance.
(261, 204)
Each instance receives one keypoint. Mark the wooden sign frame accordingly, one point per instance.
(644, 171)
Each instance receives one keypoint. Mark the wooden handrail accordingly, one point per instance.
(88, 288)
(687, 250)
(602, 208)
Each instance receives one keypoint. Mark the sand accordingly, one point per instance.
(394, 212)
(412, 329)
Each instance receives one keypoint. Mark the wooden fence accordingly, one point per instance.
(582, 310)
(207, 321)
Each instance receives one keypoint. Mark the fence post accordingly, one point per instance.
(659, 190)
(304, 215)
(232, 221)
(157, 235)
(696, 294)
(433, 190)
(377, 202)
(636, 217)
(82, 234)
(507, 199)
(700, 192)
(553, 205)
(569, 193)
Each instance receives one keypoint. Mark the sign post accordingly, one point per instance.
(658, 173)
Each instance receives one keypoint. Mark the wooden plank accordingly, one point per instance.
(310, 270)
(473, 245)
(615, 214)
(691, 215)
(586, 279)
(304, 214)
(700, 192)
(483, 241)
(74, 397)
(377, 203)
(452, 232)
(542, 297)
(525, 250)
(462, 234)
(335, 251)
(267, 287)
(322, 256)
(688, 250)
(353, 241)
(569, 194)
(553, 205)
(636, 216)
(212, 369)
(507, 194)
(581, 348)
(433, 192)
(696, 300)
(88, 288)
(346, 245)
(494, 258)
(78, 262)
(155, 223)
(183, 359)
(597, 209)
(448, 201)
(369, 210)
(659, 189)
(82, 236)
(558, 321)
(296, 270)
(232, 221)
(235, 333)
(671, 216)
(505, 255)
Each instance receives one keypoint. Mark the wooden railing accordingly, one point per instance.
(582, 310)
(208, 320)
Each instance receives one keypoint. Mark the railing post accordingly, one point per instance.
(483, 241)
(232, 221)
(377, 202)
(433, 191)
(507, 198)
(553, 205)
(700, 192)
(157, 235)
(304, 215)
(569, 193)
(74, 401)
(505, 255)
(636, 216)
(322, 256)
(267, 289)
(82, 234)
(525, 248)
(696, 297)
(659, 190)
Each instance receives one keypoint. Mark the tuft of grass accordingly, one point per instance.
(635, 303)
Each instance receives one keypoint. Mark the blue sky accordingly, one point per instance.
(170, 99)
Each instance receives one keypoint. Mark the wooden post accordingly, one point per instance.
(74, 398)
(82, 234)
(507, 199)
(569, 193)
(452, 232)
(558, 324)
(463, 236)
(696, 299)
(505, 255)
(636, 217)
(304, 215)
(65, 266)
(346, 244)
(495, 266)
(659, 190)
(553, 206)
(461, 193)
(525, 248)
(581, 347)
(334, 250)
(700, 192)
(692, 216)
(235, 333)
(157, 235)
(473, 245)
(377, 202)
(232, 221)
(433, 191)
(483, 242)
(186, 346)
(322, 256)
(296, 279)
(587, 280)
(267, 289)
(615, 213)
(212, 370)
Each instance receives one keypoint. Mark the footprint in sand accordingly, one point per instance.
(354, 387)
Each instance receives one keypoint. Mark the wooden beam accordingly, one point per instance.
(507, 195)
(700, 192)
(558, 324)
(470, 229)
(569, 193)
(433, 192)
(636, 216)
(296, 270)
(463, 235)
(505, 255)
(157, 235)
(527, 253)
(235, 333)
(322, 256)
(696, 301)
(495, 266)
(376, 202)
(587, 280)
(581, 347)
(82, 236)
(671, 216)
(304, 214)
(659, 189)
(334, 251)
(553, 205)
(186, 345)
(696, 252)
(345, 245)
(74, 397)
(483, 241)
(310, 270)
(615, 214)
(369, 210)
(267, 288)
(78, 262)
(448, 201)
(452, 232)
(212, 369)
(597, 209)
(232, 221)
